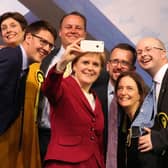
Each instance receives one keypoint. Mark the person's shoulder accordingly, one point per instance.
(102, 79)
(10, 55)
(9, 50)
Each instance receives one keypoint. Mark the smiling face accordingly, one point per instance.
(87, 69)
(151, 55)
(71, 29)
(128, 95)
(38, 45)
(120, 61)
(12, 32)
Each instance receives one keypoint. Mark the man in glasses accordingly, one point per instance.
(151, 56)
(122, 58)
(44, 42)
(38, 42)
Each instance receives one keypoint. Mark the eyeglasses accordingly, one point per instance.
(148, 49)
(123, 63)
(44, 42)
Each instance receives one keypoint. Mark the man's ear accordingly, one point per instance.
(28, 38)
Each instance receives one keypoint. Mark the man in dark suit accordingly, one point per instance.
(72, 26)
(39, 40)
(151, 56)
(122, 58)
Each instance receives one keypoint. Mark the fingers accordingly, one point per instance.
(148, 130)
(73, 50)
(144, 142)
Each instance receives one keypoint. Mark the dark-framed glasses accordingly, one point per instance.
(44, 42)
(123, 63)
(148, 49)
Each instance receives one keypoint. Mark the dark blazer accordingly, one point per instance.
(135, 158)
(10, 70)
(47, 60)
(100, 87)
(160, 130)
(76, 130)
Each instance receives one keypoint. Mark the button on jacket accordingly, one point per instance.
(77, 130)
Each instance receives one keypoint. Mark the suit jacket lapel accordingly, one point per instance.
(76, 89)
(163, 89)
(46, 62)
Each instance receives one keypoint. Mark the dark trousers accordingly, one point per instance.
(44, 138)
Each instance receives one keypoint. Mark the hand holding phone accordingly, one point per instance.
(92, 46)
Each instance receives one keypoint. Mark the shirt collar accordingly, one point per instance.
(60, 52)
(25, 61)
(110, 88)
(160, 74)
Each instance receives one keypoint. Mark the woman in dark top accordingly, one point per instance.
(131, 91)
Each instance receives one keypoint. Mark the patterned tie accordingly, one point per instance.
(111, 161)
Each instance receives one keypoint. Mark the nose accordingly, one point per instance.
(73, 30)
(90, 66)
(7, 29)
(144, 52)
(119, 66)
(123, 91)
(47, 48)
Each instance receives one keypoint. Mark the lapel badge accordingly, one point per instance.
(163, 119)
(40, 76)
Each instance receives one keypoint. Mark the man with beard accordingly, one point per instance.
(122, 58)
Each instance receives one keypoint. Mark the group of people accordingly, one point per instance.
(97, 116)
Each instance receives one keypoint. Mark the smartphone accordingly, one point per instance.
(92, 45)
(137, 131)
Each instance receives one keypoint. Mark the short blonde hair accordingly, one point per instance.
(101, 56)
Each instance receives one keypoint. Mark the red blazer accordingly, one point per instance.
(76, 130)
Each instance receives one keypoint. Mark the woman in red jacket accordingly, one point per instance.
(76, 115)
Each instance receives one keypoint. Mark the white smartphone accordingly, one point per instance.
(92, 45)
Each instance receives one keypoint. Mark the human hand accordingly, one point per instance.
(144, 142)
(71, 52)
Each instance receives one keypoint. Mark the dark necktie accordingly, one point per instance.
(111, 161)
(22, 84)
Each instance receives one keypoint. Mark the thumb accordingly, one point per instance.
(148, 130)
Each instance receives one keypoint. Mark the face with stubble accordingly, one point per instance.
(120, 61)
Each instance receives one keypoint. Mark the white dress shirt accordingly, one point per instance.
(158, 78)
(45, 121)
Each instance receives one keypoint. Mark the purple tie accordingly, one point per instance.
(111, 161)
